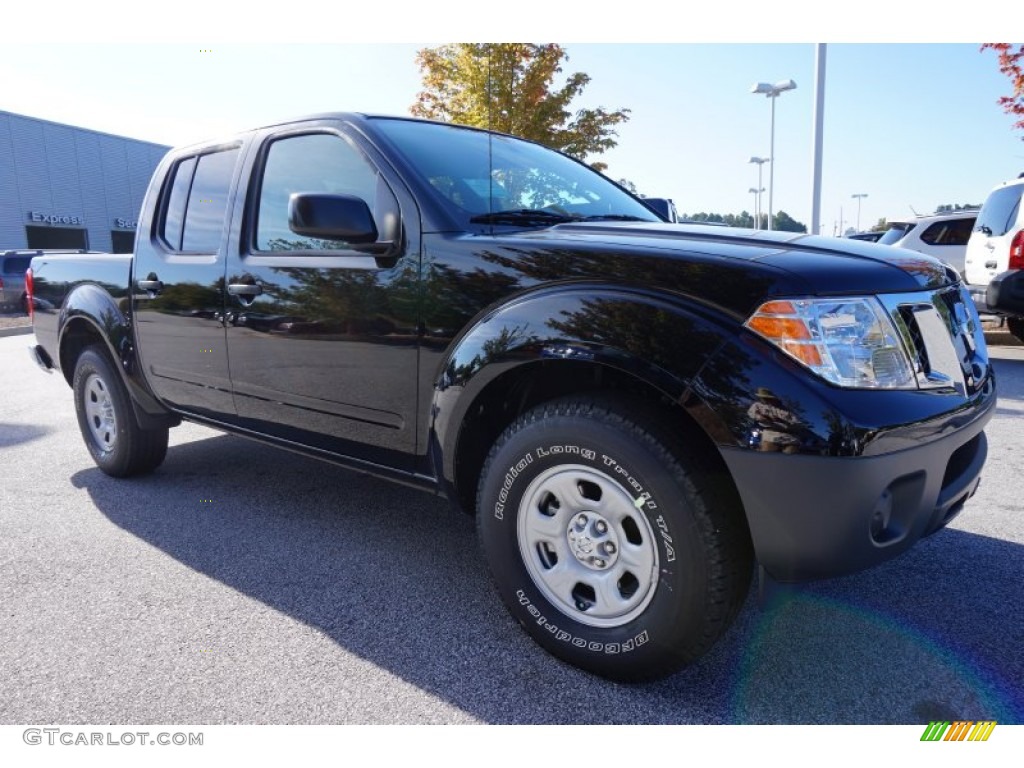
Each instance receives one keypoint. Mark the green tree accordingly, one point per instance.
(954, 208)
(627, 184)
(510, 87)
(1011, 64)
(783, 222)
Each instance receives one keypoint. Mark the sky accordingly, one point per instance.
(911, 125)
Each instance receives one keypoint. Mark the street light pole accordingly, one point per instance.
(760, 167)
(756, 193)
(772, 92)
(859, 196)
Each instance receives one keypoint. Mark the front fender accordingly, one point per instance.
(659, 339)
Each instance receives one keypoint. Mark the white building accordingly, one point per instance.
(68, 187)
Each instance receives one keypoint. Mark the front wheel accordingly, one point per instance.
(116, 442)
(615, 549)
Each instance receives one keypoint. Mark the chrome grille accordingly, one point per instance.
(943, 337)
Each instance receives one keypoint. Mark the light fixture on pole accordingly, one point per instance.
(772, 92)
(757, 215)
(859, 196)
(756, 193)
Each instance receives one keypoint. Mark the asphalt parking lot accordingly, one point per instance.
(242, 584)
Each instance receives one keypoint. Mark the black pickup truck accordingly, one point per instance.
(636, 410)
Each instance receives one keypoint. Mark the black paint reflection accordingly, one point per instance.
(326, 355)
(776, 427)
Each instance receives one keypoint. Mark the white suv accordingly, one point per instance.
(995, 256)
(943, 235)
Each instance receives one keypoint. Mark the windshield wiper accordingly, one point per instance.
(540, 216)
(522, 216)
(612, 217)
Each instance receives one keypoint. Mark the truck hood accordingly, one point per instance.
(815, 265)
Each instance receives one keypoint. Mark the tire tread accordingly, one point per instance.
(715, 501)
(139, 451)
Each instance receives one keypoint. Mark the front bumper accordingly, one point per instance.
(815, 517)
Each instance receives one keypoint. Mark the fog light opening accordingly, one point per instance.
(881, 519)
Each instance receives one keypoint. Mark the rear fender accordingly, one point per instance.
(90, 310)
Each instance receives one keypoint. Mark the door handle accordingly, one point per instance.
(245, 289)
(152, 284)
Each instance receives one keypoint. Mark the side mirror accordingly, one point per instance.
(331, 217)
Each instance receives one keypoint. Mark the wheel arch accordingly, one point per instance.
(644, 347)
(91, 316)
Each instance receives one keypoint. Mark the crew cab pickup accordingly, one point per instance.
(637, 411)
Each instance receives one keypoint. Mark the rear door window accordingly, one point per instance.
(999, 213)
(197, 202)
(952, 232)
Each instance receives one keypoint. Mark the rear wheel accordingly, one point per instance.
(118, 445)
(615, 549)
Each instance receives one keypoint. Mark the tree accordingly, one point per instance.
(627, 184)
(1011, 64)
(954, 208)
(510, 87)
(783, 222)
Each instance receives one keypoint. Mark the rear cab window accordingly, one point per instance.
(16, 265)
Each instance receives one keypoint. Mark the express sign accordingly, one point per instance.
(53, 218)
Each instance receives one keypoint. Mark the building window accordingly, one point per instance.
(57, 238)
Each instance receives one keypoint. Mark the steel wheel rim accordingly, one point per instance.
(587, 545)
(99, 413)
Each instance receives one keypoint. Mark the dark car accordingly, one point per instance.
(12, 280)
(13, 265)
(636, 410)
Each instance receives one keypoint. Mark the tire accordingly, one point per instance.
(118, 445)
(1015, 325)
(614, 549)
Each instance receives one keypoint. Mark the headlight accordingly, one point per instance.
(847, 341)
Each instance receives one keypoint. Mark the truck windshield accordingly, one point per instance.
(480, 175)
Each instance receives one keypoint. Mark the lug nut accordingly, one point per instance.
(581, 521)
(609, 548)
(599, 562)
(600, 526)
